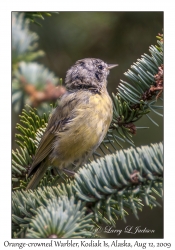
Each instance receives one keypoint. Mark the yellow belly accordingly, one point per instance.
(86, 130)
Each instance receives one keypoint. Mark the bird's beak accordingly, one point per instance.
(111, 66)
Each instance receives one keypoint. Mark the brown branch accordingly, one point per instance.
(49, 93)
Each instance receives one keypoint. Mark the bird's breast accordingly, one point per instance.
(101, 115)
(91, 119)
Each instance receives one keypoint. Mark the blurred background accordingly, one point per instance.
(114, 37)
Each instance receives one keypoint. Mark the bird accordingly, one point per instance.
(79, 123)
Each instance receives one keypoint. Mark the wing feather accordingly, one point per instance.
(43, 150)
(59, 118)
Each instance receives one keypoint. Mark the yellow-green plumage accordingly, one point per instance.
(75, 129)
(91, 118)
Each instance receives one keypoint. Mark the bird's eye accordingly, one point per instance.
(82, 63)
(100, 67)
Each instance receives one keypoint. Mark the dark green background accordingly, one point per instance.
(115, 37)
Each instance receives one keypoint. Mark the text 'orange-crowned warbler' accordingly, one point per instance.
(80, 122)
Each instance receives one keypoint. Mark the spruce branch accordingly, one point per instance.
(34, 84)
(24, 42)
(31, 128)
(121, 180)
(138, 96)
(62, 218)
(33, 16)
(107, 188)
(32, 125)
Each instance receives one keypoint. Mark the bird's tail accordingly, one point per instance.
(37, 176)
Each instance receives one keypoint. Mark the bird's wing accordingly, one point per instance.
(55, 124)
(59, 118)
(43, 150)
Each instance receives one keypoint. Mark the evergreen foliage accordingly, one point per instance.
(33, 16)
(24, 42)
(27, 78)
(32, 83)
(103, 190)
(138, 96)
(31, 129)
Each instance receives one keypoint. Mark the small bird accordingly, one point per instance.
(79, 124)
